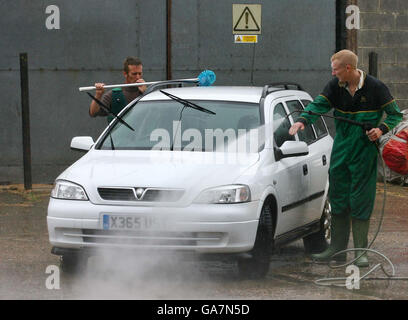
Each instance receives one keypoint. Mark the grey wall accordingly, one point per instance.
(297, 40)
(384, 30)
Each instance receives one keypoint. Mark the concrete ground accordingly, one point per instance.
(25, 256)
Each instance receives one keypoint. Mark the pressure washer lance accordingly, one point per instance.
(341, 281)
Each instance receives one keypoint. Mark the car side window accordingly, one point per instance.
(281, 125)
(319, 125)
(306, 135)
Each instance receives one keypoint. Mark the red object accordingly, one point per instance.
(395, 153)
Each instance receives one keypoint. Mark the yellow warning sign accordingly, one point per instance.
(240, 38)
(246, 18)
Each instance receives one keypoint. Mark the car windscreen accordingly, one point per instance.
(169, 125)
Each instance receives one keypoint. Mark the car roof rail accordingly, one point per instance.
(160, 84)
(272, 87)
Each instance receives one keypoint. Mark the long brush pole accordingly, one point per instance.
(136, 84)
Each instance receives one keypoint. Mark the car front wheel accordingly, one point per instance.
(256, 266)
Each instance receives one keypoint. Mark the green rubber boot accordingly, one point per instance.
(340, 233)
(360, 239)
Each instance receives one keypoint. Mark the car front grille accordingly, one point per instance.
(149, 194)
(117, 194)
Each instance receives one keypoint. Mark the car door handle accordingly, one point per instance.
(324, 159)
(305, 170)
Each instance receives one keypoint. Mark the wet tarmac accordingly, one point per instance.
(25, 255)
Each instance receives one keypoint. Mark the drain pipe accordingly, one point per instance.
(25, 115)
(168, 40)
(345, 38)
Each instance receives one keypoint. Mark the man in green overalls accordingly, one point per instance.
(353, 166)
(117, 98)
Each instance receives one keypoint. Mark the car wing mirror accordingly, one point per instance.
(291, 149)
(82, 143)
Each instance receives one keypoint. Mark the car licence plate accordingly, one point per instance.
(115, 222)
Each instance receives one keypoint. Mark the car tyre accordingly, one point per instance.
(256, 266)
(73, 263)
(319, 241)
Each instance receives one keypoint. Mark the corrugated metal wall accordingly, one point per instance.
(298, 37)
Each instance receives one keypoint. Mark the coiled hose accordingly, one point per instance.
(342, 281)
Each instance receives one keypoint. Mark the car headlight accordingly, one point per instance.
(225, 194)
(68, 190)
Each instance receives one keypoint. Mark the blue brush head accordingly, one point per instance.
(206, 78)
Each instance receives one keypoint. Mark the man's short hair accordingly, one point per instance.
(346, 57)
(134, 61)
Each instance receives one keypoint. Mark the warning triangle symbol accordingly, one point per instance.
(239, 39)
(246, 22)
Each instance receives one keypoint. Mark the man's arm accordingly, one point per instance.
(296, 127)
(94, 107)
(320, 104)
(394, 115)
(390, 107)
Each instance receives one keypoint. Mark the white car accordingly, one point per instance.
(208, 170)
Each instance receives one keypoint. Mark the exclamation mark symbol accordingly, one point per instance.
(246, 19)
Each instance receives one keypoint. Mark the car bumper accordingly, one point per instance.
(215, 228)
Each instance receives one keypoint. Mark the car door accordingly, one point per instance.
(291, 178)
(319, 151)
(317, 163)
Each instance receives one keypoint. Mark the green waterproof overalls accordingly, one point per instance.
(353, 164)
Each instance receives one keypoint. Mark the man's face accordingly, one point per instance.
(339, 70)
(135, 73)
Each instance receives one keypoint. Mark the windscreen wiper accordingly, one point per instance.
(187, 103)
(111, 141)
(106, 109)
